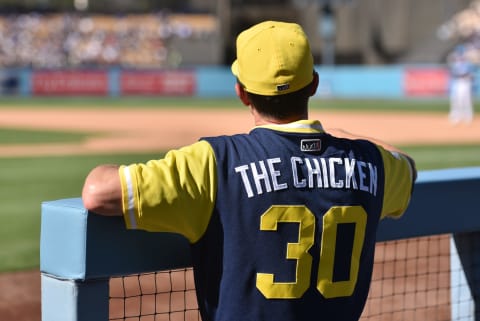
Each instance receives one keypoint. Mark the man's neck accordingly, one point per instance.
(262, 120)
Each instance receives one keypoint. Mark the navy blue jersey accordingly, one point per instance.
(292, 234)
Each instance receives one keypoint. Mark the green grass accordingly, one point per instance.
(417, 105)
(117, 103)
(27, 182)
(435, 157)
(27, 136)
(394, 105)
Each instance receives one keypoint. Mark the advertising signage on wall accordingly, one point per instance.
(356, 82)
(70, 83)
(427, 82)
(101, 82)
(165, 83)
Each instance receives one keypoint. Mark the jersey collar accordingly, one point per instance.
(301, 126)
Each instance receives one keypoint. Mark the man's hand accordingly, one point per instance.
(102, 191)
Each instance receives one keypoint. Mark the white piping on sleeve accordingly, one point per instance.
(130, 203)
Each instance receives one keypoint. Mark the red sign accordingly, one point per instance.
(70, 83)
(157, 83)
(425, 82)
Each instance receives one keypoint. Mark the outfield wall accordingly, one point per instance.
(385, 82)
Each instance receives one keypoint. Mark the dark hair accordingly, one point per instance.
(282, 106)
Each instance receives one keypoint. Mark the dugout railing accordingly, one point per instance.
(80, 253)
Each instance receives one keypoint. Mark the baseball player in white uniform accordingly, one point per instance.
(461, 83)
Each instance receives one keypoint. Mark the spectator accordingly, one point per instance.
(68, 40)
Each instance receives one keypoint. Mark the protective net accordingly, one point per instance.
(413, 279)
(158, 296)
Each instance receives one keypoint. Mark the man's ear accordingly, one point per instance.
(242, 94)
(315, 82)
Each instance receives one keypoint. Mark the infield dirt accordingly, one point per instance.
(143, 130)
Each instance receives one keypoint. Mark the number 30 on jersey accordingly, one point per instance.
(299, 251)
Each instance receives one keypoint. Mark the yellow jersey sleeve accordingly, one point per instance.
(173, 194)
(398, 183)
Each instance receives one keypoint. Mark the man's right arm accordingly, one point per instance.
(102, 191)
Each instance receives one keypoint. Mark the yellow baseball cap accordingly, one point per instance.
(273, 58)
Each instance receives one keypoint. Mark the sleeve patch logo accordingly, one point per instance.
(310, 145)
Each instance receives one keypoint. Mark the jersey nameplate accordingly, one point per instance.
(308, 172)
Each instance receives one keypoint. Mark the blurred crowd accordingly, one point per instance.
(72, 40)
(464, 28)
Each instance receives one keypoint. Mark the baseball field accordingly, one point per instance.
(47, 146)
